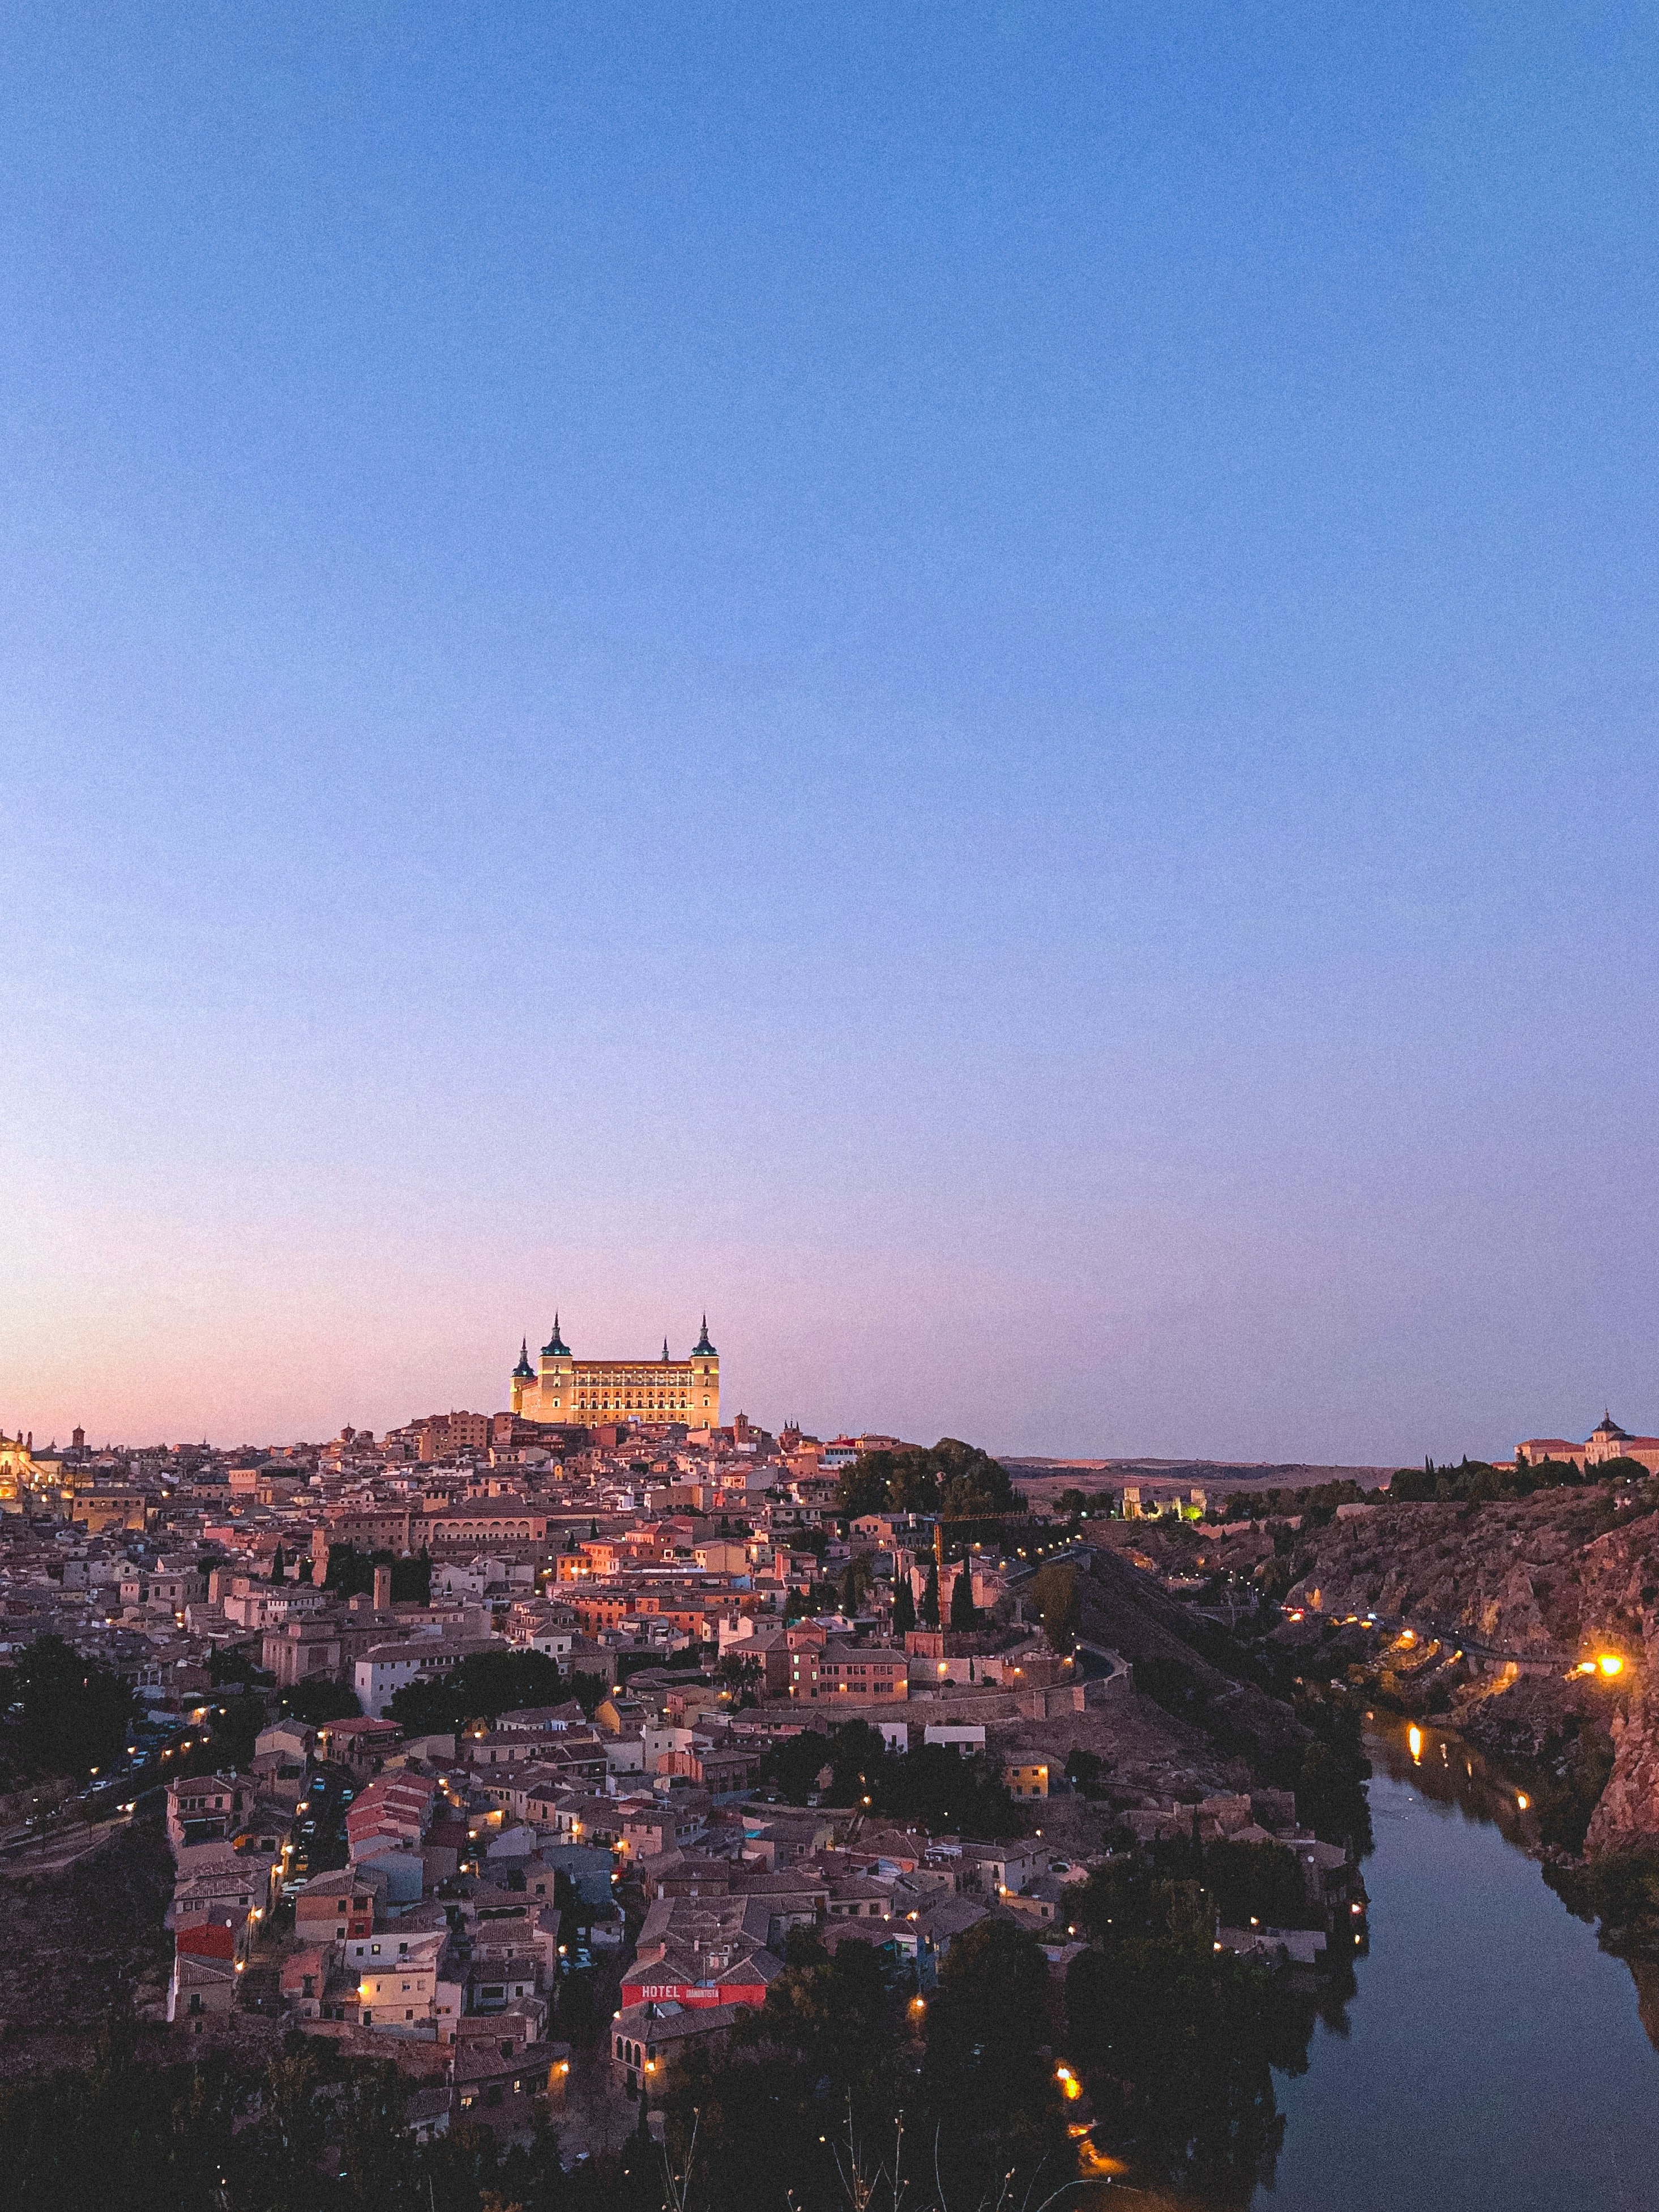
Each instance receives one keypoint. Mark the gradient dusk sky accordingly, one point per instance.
(975, 684)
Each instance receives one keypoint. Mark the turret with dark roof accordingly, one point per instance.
(702, 1344)
(555, 1347)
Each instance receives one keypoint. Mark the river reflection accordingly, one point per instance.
(1493, 2057)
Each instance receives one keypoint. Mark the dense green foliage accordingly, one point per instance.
(1316, 1504)
(477, 1688)
(351, 1574)
(1473, 1481)
(320, 1700)
(1055, 1594)
(1083, 1770)
(904, 1606)
(934, 1783)
(829, 2064)
(964, 1614)
(225, 2136)
(957, 1480)
(73, 1714)
(1257, 1882)
(1076, 1506)
(1176, 2041)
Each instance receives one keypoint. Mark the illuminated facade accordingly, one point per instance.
(16, 1468)
(568, 1392)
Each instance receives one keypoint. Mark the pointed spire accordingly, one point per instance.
(555, 1347)
(665, 1351)
(523, 1367)
(702, 1344)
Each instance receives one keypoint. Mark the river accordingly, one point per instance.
(1493, 2057)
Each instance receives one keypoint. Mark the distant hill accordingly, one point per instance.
(1034, 1475)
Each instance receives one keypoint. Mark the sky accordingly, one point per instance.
(973, 685)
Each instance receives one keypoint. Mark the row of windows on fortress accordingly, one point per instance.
(605, 1387)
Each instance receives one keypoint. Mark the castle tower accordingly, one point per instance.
(705, 1382)
(523, 1373)
(553, 1389)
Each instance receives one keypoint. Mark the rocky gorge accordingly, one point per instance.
(1531, 1625)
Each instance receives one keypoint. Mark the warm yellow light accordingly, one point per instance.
(1521, 1799)
(1587, 1666)
(1415, 1738)
(1611, 1663)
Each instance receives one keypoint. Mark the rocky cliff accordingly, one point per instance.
(1528, 1590)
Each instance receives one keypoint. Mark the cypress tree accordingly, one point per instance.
(904, 1607)
(930, 1596)
(964, 1612)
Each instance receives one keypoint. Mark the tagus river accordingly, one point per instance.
(1493, 2057)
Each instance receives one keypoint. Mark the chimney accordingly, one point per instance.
(382, 1589)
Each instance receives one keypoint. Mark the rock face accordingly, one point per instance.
(1538, 1583)
(1629, 1809)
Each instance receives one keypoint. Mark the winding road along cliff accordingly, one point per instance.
(1544, 1583)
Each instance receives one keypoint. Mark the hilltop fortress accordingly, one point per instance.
(571, 1392)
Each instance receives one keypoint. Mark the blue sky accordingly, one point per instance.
(975, 684)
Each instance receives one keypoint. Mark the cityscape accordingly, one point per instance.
(829, 1359)
(545, 1762)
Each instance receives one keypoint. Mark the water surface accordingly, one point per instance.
(1493, 2057)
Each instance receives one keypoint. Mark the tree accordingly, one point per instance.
(76, 1713)
(1054, 1589)
(795, 1763)
(863, 1486)
(983, 2073)
(317, 1699)
(855, 1582)
(904, 1606)
(1258, 1881)
(476, 1688)
(835, 2014)
(1083, 1770)
(1178, 2043)
(858, 1763)
(964, 1614)
(958, 1479)
(930, 1596)
(278, 1566)
(351, 1574)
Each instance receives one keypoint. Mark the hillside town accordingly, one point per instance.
(517, 1749)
